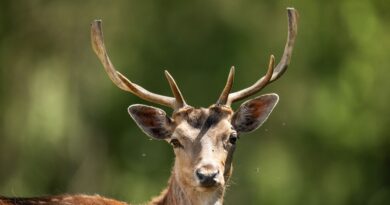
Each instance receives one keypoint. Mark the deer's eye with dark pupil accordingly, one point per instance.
(233, 138)
(175, 143)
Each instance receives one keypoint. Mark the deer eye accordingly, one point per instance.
(175, 143)
(233, 138)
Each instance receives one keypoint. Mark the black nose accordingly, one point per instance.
(207, 178)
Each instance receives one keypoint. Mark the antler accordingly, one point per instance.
(123, 83)
(226, 90)
(273, 73)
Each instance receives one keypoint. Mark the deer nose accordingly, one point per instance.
(207, 177)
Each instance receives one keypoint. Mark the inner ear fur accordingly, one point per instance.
(253, 113)
(153, 121)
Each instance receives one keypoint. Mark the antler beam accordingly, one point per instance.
(123, 83)
(272, 73)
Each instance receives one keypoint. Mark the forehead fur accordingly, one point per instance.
(202, 117)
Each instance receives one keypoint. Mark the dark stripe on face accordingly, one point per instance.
(228, 163)
(215, 115)
(196, 118)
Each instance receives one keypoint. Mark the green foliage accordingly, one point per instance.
(64, 126)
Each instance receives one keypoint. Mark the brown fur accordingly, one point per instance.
(61, 200)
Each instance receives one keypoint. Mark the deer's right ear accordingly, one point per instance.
(153, 121)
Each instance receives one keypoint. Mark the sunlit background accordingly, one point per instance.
(64, 127)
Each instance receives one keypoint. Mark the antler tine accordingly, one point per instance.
(180, 102)
(120, 80)
(291, 35)
(228, 87)
(272, 73)
(260, 84)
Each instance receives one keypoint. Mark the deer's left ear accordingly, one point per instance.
(153, 121)
(253, 113)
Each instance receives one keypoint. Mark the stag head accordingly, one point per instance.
(203, 139)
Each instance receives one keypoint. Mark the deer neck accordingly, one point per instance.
(179, 194)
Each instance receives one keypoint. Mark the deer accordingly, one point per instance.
(203, 139)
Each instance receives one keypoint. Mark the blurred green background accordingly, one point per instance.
(64, 127)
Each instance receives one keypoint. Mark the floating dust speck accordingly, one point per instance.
(266, 129)
(283, 124)
(257, 170)
(143, 155)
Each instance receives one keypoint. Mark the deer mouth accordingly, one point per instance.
(209, 184)
(209, 187)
